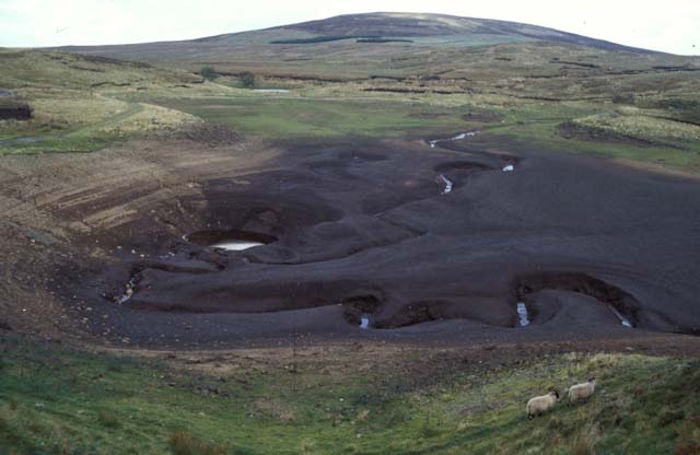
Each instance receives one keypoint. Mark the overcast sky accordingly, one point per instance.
(669, 25)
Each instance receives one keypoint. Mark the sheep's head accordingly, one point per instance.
(555, 394)
(591, 379)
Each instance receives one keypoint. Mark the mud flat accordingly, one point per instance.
(354, 234)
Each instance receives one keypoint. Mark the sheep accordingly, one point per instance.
(538, 405)
(582, 391)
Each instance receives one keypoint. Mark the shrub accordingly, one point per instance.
(383, 40)
(208, 72)
(247, 79)
(321, 39)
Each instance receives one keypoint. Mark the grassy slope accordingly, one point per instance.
(630, 104)
(73, 104)
(56, 399)
(535, 85)
(639, 130)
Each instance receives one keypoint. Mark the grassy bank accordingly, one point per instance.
(72, 106)
(59, 400)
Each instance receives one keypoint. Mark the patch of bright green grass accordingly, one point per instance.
(54, 400)
(544, 134)
(537, 125)
(305, 118)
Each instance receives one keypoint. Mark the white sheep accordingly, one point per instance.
(582, 391)
(538, 405)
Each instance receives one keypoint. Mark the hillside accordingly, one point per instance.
(55, 101)
(423, 25)
(399, 45)
(373, 234)
(542, 83)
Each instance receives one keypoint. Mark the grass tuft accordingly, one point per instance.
(185, 443)
(108, 419)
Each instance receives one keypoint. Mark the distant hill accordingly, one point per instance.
(397, 45)
(424, 25)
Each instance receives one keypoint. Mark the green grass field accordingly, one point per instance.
(290, 118)
(60, 400)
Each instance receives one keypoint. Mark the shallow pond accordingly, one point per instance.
(232, 240)
(236, 245)
(20, 140)
(271, 90)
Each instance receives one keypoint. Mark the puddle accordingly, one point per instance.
(20, 140)
(271, 90)
(236, 245)
(448, 184)
(623, 320)
(128, 291)
(364, 322)
(509, 168)
(458, 137)
(522, 314)
(233, 240)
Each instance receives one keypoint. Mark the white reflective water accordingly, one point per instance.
(509, 168)
(128, 291)
(434, 142)
(623, 320)
(448, 184)
(271, 90)
(364, 322)
(236, 245)
(522, 313)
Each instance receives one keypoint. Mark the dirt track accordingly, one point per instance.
(362, 229)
